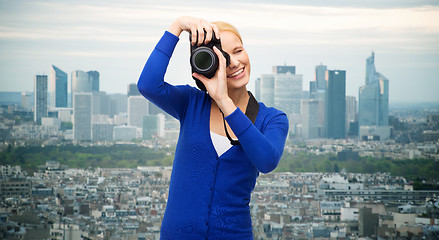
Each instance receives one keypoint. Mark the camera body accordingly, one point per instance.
(205, 61)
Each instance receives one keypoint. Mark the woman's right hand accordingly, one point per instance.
(196, 27)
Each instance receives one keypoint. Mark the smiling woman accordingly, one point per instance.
(221, 150)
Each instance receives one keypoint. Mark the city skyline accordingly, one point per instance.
(116, 38)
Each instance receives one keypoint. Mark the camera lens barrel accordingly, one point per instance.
(204, 61)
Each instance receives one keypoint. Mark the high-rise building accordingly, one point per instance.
(124, 133)
(321, 77)
(266, 89)
(101, 103)
(351, 114)
(58, 88)
(80, 82)
(133, 90)
(281, 89)
(102, 132)
(288, 92)
(94, 79)
(310, 119)
(284, 69)
(65, 114)
(374, 102)
(335, 105)
(317, 90)
(374, 97)
(312, 89)
(117, 103)
(153, 126)
(27, 100)
(257, 88)
(351, 109)
(82, 115)
(137, 107)
(40, 93)
(85, 81)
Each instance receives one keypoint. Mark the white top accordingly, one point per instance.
(221, 143)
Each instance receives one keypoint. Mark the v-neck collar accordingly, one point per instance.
(207, 129)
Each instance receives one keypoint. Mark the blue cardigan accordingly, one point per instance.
(209, 195)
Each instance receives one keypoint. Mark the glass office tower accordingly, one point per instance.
(335, 105)
(374, 97)
(58, 87)
(40, 94)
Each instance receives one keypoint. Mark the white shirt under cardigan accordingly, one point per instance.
(221, 143)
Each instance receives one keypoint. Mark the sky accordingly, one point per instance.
(116, 38)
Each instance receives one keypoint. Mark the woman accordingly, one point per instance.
(212, 180)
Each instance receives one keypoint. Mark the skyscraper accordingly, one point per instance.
(58, 88)
(102, 132)
(281, 89)
(101, 103)
(312, 89)
(85, 81)
(132, 90)
(40, 93)
(320, 77)
(351, 109)
(94, 79)
(266, 89)
(137, 108)
(335, 104)
(373, 111)
(351, 114)
(153, 126)
(82, 113)
(80, 82)
(27, 100)
(258, 88)
(117, 103)
(284, 69)
(288, 92)
(310, 119)
(317, 91)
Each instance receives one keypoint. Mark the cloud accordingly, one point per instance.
(75, 33)
(262, 23)
(304, 33)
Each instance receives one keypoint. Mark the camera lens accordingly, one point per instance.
(203, 60)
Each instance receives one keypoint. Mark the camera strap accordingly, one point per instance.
(251, 112)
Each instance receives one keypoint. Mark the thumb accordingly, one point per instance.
(200, 77)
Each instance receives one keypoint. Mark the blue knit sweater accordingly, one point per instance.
(209, 195)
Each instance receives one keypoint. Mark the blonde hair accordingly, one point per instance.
(223, 26)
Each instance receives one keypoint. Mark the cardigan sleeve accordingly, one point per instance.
(151, 84)
(263, 149)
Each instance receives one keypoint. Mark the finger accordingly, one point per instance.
(202, 78)
(199, 76)
(193, 35)
(200, 29)
(215, 30)
(209, 31)
(221, 58)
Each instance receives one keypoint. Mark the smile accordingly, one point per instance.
(236, 73)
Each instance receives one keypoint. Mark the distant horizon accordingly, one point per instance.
(391, 104)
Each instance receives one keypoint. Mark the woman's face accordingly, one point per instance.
(238, 72)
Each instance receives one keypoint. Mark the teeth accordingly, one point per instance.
(236, 73)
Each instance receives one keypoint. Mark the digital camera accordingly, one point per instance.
(205, 61)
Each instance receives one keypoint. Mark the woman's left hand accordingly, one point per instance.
(217, 85)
